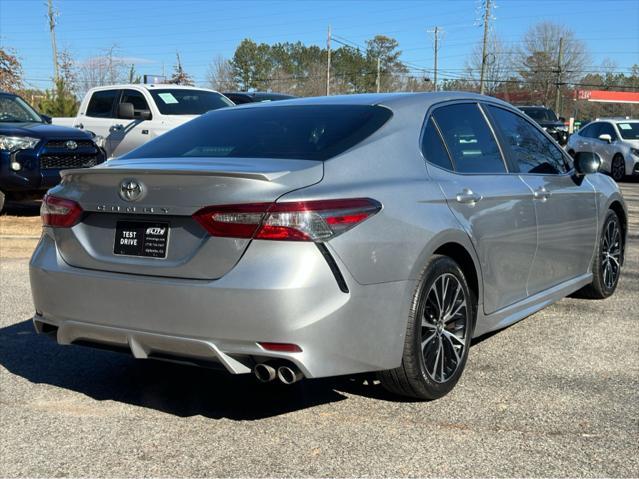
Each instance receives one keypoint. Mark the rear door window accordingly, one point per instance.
(305, 132)
(526, 145)
(433, 147)
(470, 141)
(101, 104)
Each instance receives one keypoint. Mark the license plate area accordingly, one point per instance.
(147, 239)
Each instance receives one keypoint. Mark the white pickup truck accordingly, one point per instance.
(127, 116)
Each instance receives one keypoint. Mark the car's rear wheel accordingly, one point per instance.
(440, 326)
(606, 265)
(618, 168)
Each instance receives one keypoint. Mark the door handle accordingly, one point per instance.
(468, 197)
(116, 128)
(541, 193)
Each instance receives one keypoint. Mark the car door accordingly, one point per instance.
(496, 209)
(565, 205)
(127, 134)
(100, 112)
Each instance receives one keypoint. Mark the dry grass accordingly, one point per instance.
(12, 228)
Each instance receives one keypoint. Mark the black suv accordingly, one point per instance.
(32, 151)
(547, 119)
(240, 97)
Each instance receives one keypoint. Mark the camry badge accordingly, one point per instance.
(131, 190)
(71, 145)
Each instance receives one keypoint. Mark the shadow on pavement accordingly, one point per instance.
(30, 208)
(171, 388)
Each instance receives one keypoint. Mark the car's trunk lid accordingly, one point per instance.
(171, 191)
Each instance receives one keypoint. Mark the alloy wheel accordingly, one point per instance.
(618, 168)
(611, 254)
(444, 326)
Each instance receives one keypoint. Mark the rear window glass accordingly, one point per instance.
(188, 102)
(312, 132)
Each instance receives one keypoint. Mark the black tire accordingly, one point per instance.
(412, 378)
(618, 168)
(602, 286)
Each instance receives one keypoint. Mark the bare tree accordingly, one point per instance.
(107, 69)
(537, 60)
(498, 65)
(220, 75)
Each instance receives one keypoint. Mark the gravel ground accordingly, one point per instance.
(554, 395)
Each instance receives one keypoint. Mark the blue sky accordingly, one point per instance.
(149, 32)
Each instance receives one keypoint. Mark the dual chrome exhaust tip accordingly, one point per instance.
(287, 374)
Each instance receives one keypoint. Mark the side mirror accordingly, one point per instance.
(125, 111)
(587, 163)
(606, 137)
(144, 114)
(46, 118)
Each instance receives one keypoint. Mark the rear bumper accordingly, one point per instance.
(278, 292)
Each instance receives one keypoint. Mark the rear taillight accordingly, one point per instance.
(290, 221)
(59, 212)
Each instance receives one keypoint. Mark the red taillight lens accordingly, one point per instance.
(59, 212)
(290, 221)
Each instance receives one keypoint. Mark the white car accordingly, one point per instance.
(616, 140)
(127, 116)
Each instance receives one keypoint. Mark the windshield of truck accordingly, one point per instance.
(628, 130)
(188, 102)
(14, 109)
(540, 114)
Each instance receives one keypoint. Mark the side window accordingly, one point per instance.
(433, 149)
(470, 142)
(607, 129)
(138, 100)
(590, 131)
(528, 147)
(101, 104)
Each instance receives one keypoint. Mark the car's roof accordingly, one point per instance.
(391, 100)
(152, 86)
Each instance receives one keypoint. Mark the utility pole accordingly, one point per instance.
(484, 54)
(51, 15)
(560, 59)
(436, 31)
(328, 62)
(379, 69)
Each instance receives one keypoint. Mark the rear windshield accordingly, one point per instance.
(188, 102)
(540, 114)
(312, 132)
(629, 131)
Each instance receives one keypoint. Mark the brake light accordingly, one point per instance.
(289, 221)
(59, 212)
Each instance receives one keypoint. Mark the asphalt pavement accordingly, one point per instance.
(557, 394)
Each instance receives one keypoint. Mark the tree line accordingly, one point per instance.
(545, 66)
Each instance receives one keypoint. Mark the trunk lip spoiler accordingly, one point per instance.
(273, 171)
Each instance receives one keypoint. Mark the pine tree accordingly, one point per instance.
(180, 77)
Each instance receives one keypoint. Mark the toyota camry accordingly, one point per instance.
(327, 236)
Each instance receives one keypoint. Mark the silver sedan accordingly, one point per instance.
(327, 236)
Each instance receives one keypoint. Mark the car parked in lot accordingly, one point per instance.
(32, 152)
(547, 119)
(615, 140)
(127, 116)
(241, 97)
(327, 236)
